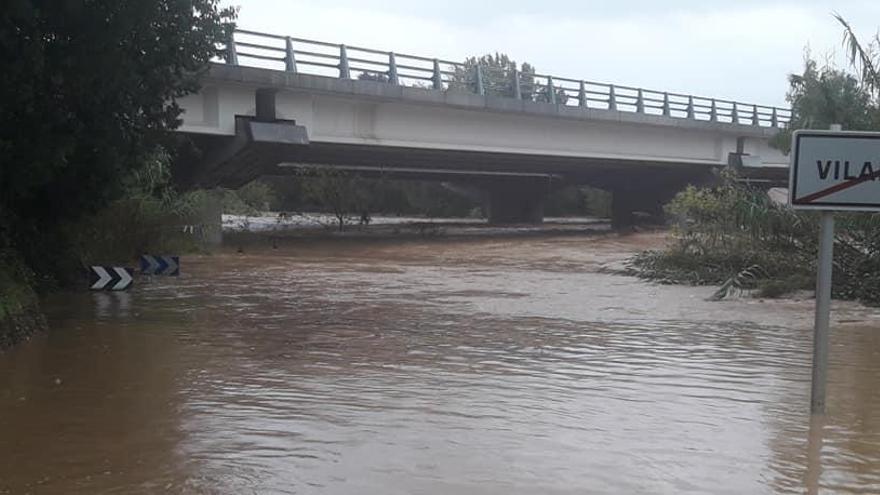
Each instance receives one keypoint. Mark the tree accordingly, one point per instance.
(499, 75)
(89, 90)
(498, 72)
(341, 192)
(864, 57)
(822, 96)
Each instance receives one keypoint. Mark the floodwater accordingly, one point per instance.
(480, 366)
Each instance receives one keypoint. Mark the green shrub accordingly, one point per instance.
(258, 195)
(143, 224)
(722, 231)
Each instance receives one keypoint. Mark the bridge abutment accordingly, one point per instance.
(516, 201)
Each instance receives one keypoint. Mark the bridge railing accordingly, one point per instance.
(352, 62)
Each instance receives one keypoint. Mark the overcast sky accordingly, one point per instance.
(737, 49)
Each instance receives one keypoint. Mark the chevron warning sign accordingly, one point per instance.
(110, 278)
(160, 265)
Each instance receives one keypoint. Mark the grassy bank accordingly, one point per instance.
(735, 237)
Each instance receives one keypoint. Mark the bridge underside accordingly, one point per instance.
(514, 184)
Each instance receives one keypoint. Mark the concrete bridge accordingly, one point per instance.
(277, 105)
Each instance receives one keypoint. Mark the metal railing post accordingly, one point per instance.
(289, 56)
(713, 112)
(691, 113)
(437, 76)
(517, 87)
(582, 94)
(551, 91)
(774, 119)
(481, 90)
(640, 101)
(392, 69)
(231, 55)
(734, 114)
(755, 120)
(344, 70)
(667, 110)
(612, 98)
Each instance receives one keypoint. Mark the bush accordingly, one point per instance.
(129, 227)
(725, 231)
(258, 195)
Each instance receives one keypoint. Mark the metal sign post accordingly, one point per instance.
(831, 171)
(821, 331)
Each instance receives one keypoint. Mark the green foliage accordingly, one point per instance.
(735, 236)
(864, 57)
(232, 204)
(259, 195)
(89, 88)
(823, 96)
(498, 72)
(343, 193)
(379, 195)
(732, 235)
(126, 228)
(150, 219)
(722, 231)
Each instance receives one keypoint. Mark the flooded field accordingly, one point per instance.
(469, 366)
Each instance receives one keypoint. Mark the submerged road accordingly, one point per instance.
(481, 366)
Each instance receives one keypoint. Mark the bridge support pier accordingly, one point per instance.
(516, 200)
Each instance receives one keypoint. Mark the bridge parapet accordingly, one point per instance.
(297, 55)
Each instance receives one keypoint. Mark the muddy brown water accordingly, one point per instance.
(491, 366)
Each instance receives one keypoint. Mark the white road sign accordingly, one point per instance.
(835, 170)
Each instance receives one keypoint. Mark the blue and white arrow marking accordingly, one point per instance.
(110, 278)
(160, 265)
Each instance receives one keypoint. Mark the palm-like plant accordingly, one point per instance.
(865, 57)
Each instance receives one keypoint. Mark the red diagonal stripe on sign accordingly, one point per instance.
(835, 188)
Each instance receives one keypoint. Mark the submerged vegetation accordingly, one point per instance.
(735, 236)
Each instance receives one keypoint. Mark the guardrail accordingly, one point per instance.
(351, 62)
